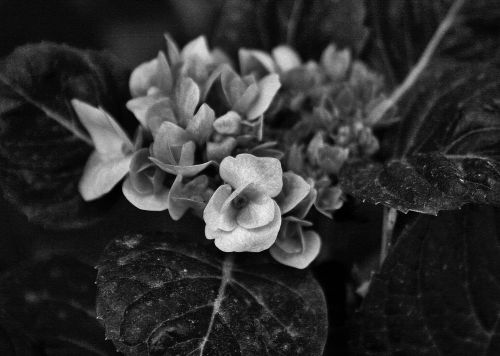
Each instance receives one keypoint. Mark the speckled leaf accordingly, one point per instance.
(53, 301)
(309, 25)
(438, 292)
(159, 295)
(447, 149)
(42, 148)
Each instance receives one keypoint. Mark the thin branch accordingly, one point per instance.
(293, 23)
(380, 110)
(390, 216)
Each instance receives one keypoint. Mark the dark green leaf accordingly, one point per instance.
(54, 302)
(13, 342)
(307, 25)
(159, 295)
(42, 153)
(438, 292)
(447, 150)
(401, 29)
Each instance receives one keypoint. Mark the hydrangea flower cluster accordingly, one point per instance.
(320, 114)
(202, 142)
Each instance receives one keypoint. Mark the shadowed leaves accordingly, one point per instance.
(438, 291)
(43, 147)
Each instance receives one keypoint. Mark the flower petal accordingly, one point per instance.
(217, 151)
(164, 80)
(228, 124)
(151, 201)
(295, 189)
(311, 248)
(286, 58)
(138, 176)
(168, 136)
(108, 137)
(303, 208)
(256, 213)
(201, 125)
(185, 171)
(264, 172)
(172, 50)
(255, 62)
(232, 85)
(139, 107)
(290, 237)
(187, 96)
(213, 216)
(336, 63)
(247, 101)
(160, 111)
(185, 196)
(197, 49)
(207, 85)
(143, 78)
(268, 87)
(247, 240)
(101, 175)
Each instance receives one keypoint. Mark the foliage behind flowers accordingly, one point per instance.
(196, 112)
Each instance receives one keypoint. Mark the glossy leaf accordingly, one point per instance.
(160, 295)
(43, 146)
(447, 148)
(438, 291)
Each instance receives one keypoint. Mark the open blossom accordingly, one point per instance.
(245, 213)
(242, 214)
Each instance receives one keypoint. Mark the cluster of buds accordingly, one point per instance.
(321, 113)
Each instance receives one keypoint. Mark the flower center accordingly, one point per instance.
(240, 202)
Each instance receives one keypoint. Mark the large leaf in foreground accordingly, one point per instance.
(53, 301)
(447, 150)
(159, 295)
(438, 292)
(42, 148)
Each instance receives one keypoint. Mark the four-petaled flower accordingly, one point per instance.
(242, 214)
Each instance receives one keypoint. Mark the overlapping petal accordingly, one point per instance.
(311, 246)
(264, 173)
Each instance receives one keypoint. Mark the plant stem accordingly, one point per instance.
(294, 21)
(380, 110)
(390, 215)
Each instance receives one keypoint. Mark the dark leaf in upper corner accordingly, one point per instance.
(53, 300)
(41, 155)
(447, 149)
(309, 26)
(438, 291)
(401, 29)
(159, 295)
